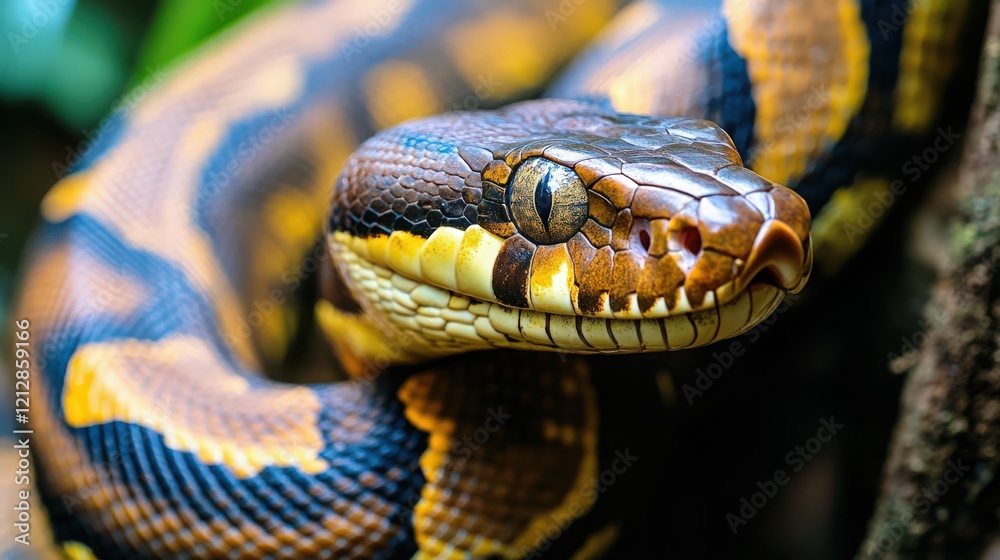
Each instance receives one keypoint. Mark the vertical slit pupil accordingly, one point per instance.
(543, 200)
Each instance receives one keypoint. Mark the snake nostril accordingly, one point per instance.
(691, 240)
(644, 239)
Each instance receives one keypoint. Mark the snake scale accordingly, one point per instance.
(177, 272)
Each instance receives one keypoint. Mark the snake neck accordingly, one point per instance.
(362, 348)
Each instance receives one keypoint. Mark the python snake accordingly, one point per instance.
(177, 264)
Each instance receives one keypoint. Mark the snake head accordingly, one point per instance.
(563, 225)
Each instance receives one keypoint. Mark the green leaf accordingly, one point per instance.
(182, 25)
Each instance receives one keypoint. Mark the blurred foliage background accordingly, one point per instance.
(67, 68)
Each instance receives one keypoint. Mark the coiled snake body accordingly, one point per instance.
(171, 267)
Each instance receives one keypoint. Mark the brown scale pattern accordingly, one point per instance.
(400, 186)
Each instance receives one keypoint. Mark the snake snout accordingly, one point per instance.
(778, 258)
(757, 238)
(782, 251)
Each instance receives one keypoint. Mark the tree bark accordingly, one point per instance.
(940, 496)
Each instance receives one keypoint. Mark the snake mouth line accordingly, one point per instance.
(449, 322)
(465, 263)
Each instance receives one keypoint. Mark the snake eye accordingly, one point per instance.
(547, 201)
